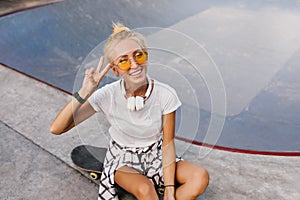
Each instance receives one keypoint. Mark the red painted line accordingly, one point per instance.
(36, 79)
(235, 150)
(245, 151)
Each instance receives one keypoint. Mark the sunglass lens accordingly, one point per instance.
(124, 64)
(140, 57)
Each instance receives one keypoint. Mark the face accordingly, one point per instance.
(125, 52)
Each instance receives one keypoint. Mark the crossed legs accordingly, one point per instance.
(192, 180)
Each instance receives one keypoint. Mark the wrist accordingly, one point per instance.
(169, 191)
(83, 94)
(77, 96)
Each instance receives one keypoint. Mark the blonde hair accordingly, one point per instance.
(119, 33)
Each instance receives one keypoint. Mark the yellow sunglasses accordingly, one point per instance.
(140, 57)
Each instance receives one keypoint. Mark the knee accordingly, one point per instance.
(200, 181)
(145, 190)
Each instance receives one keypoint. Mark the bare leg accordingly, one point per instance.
(193, 180)
(135, 183)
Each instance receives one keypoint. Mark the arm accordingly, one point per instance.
(169, 154)
(74, 112)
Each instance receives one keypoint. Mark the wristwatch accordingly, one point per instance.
(78, 98)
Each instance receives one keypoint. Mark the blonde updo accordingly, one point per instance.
(120, 33)
(118, 27)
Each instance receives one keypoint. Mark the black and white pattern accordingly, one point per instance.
(146, 160)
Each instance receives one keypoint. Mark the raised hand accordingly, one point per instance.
(93, 78)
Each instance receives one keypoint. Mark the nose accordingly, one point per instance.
(133, 64)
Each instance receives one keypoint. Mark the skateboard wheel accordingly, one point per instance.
(94, 176)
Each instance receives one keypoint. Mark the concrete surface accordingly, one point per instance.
(36, 164)
(30, 172)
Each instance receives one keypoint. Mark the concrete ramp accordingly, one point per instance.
(234, 65)
(241, 65)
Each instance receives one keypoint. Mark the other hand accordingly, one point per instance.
(169, 193)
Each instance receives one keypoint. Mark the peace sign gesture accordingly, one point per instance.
(92, 79)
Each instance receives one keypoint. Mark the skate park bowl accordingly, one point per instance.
(234, 65)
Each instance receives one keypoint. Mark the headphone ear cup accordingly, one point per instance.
(139, 103)
(131, 103)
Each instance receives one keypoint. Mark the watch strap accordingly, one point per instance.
(78, 98)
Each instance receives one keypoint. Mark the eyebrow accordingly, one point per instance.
(125, 55)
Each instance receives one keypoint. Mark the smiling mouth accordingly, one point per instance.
(137, 72)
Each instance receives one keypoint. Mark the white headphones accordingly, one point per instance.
(136, 103)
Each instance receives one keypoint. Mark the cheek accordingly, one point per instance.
(145, 68)
(122, 73)
(119, 72)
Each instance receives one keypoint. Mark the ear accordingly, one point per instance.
(115, 70)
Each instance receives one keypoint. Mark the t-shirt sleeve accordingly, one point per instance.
(100, 98)
(170, 100)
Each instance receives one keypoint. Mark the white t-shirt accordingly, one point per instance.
(135, 128)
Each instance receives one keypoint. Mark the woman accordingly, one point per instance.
(141, 112)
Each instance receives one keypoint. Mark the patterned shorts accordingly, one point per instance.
(146, 160)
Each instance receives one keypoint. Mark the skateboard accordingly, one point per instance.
(90, 159)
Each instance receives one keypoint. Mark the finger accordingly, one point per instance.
(106, 69)
(100, 64)
(89, 71)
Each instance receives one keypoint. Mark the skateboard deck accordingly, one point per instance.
(90, 159)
